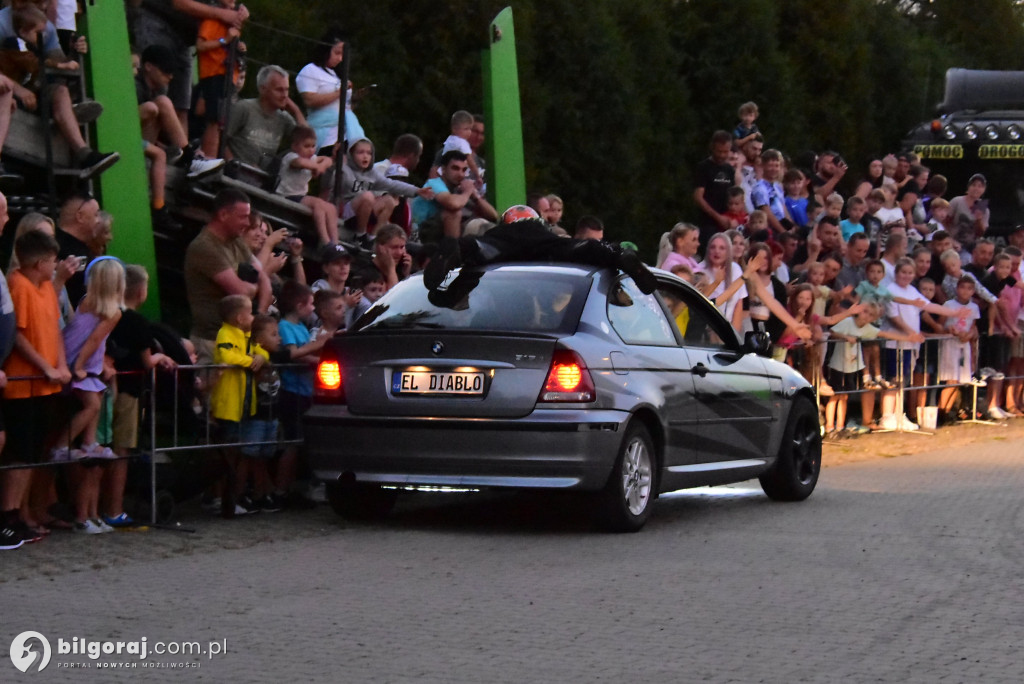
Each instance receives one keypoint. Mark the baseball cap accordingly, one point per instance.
(329, 253)
(977, 178)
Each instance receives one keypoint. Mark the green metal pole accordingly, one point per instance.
(124, 187)
(506, 176)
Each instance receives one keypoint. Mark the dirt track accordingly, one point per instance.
(893, 444)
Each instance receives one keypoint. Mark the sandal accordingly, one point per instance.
(56, 524)
(38, 529)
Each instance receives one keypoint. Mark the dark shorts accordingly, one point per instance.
(291, 407)
(228, 431)
(928, 359)
(994, 352)
(892, 359)
(296, 198)
(844, 382)
(211, 89)
(255, 431)
(31, 423)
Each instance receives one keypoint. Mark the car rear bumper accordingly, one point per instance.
(549, 449)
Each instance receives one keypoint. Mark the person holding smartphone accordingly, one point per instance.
(970, 214)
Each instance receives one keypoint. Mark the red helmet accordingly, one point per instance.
(519, 212)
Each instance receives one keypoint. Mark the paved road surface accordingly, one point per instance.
(897, 570)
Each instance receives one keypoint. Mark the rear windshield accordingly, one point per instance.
(512, 300)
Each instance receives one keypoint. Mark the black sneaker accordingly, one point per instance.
(448, 258)
(174, 153)
(87, 111)
(268, 504)
(164, 222)
(10, 538)
(365, 241)
(23, 530)
(95, 162)
(245, 501)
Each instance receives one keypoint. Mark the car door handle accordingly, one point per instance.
(700, 369)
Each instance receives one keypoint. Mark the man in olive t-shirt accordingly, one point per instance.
(212, 263)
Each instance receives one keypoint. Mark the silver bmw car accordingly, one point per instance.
(559, 377)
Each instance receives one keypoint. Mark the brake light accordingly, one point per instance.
(568, 379)
(329, 386)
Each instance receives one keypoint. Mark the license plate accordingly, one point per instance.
(437, 382)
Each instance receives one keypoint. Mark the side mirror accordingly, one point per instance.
(758, 342)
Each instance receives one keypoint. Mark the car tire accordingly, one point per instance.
(625, 503)
(798, 464)
(360, 501)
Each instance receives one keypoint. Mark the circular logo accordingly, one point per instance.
(24, 655)
(437, 348)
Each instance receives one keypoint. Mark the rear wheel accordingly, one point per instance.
(796, 469)
(360, 501)
(627, 499)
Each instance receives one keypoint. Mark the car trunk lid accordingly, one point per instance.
(444, 374)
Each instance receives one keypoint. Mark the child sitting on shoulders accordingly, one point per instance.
(746, 128)
(298, 166)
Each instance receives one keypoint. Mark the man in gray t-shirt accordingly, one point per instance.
(258, 127)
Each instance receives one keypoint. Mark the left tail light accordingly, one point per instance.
(568, 379)
(329, 384)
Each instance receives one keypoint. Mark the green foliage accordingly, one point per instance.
(619, 99)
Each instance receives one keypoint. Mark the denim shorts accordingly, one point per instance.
(252, 431)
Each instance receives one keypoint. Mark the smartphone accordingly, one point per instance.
(981, 205)
(82, 262)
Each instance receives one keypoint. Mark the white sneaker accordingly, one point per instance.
(96, 451)
(104, 527)
(201, 167)
(60, 454)
(996, 413)
(888, 422)
(87, 527)
(906, 424)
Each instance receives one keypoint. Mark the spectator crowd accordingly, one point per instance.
(849, 288)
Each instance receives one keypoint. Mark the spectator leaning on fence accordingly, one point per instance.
(218, 263)
(130, 345)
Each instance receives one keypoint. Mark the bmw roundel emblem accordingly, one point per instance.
(437, 347)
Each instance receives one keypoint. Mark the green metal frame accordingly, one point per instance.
(506, 176)
(124, 187)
